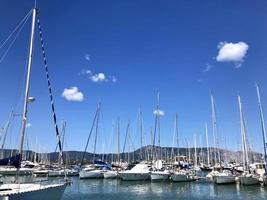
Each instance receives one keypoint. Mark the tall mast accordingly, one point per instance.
(140, 119)
(189, 152)
(118, 137)
(26, 95)
(96, 129)
(262, 127)
(214, 131)
(158, 113)
(173, 140)
(195, 141)
(207, 141)
(243, 135)
(156, 127)
(177, 134)
(27, 88)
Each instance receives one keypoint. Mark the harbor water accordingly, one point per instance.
(113, 189)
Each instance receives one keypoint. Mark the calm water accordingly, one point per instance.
(103, 189)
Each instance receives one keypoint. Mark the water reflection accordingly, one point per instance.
(113, 189)
(100, 189)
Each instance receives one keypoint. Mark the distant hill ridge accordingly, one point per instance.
(144, 153)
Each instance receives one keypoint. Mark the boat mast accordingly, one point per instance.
(262, 127)
(96, 130)
(215, 132)
(26, 96)
(158, 113)
(156, 127)
(177, 134)
(207, 141)
(195, 141)
(140, 119)
(173, 139)
(118, 138)
(243, 135)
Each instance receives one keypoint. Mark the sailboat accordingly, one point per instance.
(206, 167)
(113, 173)
(32, 190)
(158, 172)
(181, 171)
(263, 177)
(94, 170)
(247, 178)
(216, 152)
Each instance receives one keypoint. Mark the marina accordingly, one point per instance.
(87, 136)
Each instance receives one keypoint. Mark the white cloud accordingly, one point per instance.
(232, 52)
(85, 72)
(99, 77)
(72, 94)
(159, 112)
(28, 125)
(113, 79)
(208, 67)
(87, 57)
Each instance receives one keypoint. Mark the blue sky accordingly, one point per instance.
(122, 52)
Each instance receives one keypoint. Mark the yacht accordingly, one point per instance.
(159, 172)
(183, 176)
(139, 172)
(249, 179)
(224, 177)
(109, 174)
(91, 171)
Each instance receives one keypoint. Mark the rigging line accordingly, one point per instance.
(17, 27)
(103, 126)
(50, 89)
(96, 134)
(92, 127)
(13, 41)
(126, 136)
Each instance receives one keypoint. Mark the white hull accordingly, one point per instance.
(249, 180)
(13, 171)
(110, 174)
(91, 174)
(40, 173)
(32, 191)
(159, 176)
(128, 176)
(56, 173)
(177, 177)
(224, 179)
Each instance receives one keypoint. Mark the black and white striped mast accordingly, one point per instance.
(27, 88)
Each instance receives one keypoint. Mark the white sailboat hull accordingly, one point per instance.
(110, 174)
(32, 191)
(249, 180)
(159, 176)
(223, 179)
(56, 173)
(91, 174)
(177, 177)
(128, 176)
(12, 171)
(40, 173)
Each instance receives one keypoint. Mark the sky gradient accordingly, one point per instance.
(122, 52)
